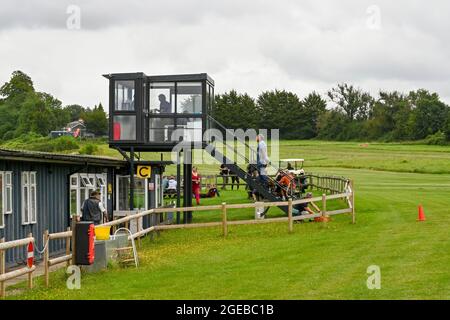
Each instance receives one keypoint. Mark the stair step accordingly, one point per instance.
(127, 260)
(124, 249)
(252, 182)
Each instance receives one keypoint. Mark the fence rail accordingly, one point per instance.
(67, 235)
(5, 276)
(332, 184)
(348, 194)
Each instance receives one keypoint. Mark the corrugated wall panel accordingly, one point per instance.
(52, 205)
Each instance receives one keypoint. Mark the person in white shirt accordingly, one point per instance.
(262, 160)
(171, 187)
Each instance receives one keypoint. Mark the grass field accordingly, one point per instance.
(316, 261)
(394, 157)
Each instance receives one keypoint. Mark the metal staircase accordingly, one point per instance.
(267, 191)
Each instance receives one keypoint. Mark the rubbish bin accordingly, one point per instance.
(84, 243)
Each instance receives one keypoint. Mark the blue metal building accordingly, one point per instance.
(40, 191)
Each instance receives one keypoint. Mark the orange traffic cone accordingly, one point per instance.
(421, 214)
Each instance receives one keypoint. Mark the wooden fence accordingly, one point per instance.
(5, 276)
(54, 261)
(327, 183)
(348, 196)
(332, 184)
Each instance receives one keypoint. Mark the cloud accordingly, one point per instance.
(250, 46)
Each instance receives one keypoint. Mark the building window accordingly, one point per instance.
(74, 194)
(125, 95)
(188, 129)
(5, 195)
(189, 97)
(81, 186)
(124, 128)
(8, 192)
(162, 97)
(100, 183)
(161, 129)
(29, 205)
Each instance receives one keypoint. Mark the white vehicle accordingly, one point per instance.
(294, 166)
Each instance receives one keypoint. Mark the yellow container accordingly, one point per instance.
(102, 233)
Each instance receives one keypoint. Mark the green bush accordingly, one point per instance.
(35, 142)
(65, 143)
(438, 138)
(8, 136)
(89, 149)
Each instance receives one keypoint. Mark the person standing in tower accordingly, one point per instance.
(262, 160)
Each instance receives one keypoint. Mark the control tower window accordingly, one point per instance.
(189, 97)
(162, 96)
(124, 95)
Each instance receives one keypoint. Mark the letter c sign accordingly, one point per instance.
(144, 171)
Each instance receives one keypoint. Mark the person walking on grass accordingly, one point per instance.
(196, 179)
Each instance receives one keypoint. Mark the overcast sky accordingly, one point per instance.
(250, 46)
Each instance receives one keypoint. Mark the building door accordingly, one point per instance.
(158, 191)
(123, 193)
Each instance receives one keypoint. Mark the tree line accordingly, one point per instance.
(24, 111)
(345, 113)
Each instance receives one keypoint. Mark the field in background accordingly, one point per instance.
(376, 156)
(317, 261)
(395, 157)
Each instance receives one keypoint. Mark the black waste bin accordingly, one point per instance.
(84, 243)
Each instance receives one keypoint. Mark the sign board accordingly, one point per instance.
(30, 255)
(144, 171)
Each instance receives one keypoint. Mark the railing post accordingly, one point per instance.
(290, 215)
(224, 219)
(353, 201)
(324, 205)
(46, 258)
(68, 247)
(138, 229)
(30, 274)
(2, 269)
(74, 226)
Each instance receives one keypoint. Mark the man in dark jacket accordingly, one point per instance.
(92, 209)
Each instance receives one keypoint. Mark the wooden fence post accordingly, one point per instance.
(353, 202)
(30, 274)
(138, 229)
(291, 222)
(224, 219)
(46, 257)
(2, 269)
(68, 247)
(324, 205)
(74, 226)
